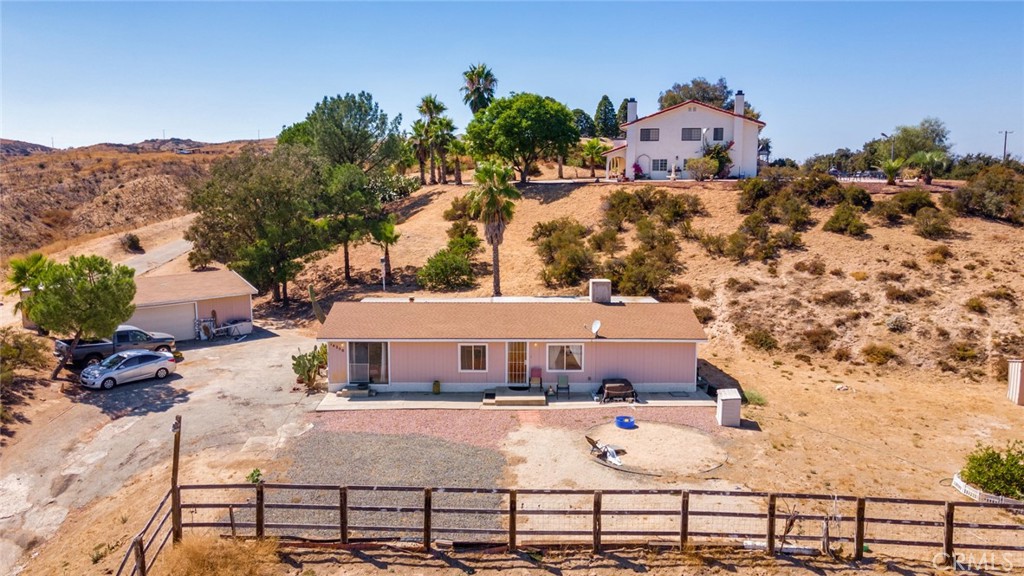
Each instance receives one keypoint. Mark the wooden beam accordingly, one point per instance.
(770, 537)
(428, 497)
(684, 520)
(858, 538)
(260, 511)
(512, 505)
(947, 534)
(140, 555)
(175, 492)
(343, 514)
(597, 522)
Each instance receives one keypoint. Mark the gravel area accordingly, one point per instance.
(699, 417)
(481, 428)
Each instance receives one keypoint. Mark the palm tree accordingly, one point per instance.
(493, 199)
(478, 91)
(592, 152)
(385, 235)
(25, 273)
(430, 108)
(891, 169)
(458, 149)
(441, 136)
(929, 163)
(420, 141)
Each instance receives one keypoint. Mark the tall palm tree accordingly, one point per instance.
(25, 273)
(493, 199)
(441, 136)
(458, 149)
(929, 163)
(478, 90)
(592, 152)
(385, 235)
(420, 141)
(430, 108)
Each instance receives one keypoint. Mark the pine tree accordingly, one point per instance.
(604, 118)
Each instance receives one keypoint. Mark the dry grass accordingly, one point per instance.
(208, 555)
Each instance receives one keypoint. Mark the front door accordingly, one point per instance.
(517, 373)
(368, 363)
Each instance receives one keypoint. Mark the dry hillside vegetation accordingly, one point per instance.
(63, 194)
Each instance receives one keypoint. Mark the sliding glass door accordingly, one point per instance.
(368, 362)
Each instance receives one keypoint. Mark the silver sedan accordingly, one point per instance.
(128, 366)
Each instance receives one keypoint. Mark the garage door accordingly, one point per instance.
(178, 320)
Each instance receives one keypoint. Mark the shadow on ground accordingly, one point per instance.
(135, 398)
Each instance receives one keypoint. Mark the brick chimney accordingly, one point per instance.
(601, 291)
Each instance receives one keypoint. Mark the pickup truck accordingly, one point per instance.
(124, 338)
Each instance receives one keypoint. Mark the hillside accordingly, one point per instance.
(18, 148)
(58, 195)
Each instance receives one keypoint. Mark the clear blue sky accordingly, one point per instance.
(823, 75)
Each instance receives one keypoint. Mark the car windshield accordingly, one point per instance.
(112, 361)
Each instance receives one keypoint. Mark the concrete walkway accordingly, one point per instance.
(474, 401)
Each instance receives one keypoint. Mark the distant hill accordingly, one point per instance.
(152, 145)
(18, 148)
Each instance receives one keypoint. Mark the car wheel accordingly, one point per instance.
(93, 359)
(161, 373)
(108, 383)
(163, 348)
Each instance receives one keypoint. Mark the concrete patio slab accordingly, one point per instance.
(474, 401)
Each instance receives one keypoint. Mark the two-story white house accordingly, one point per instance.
(664, 141)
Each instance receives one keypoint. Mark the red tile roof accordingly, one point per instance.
(687, 103)
(555, 320)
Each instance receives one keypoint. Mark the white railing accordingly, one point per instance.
(980, 495)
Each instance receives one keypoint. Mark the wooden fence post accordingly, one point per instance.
(175, 491)
(231, 517)
(512, 505)
(858, 537)
(947, 534)
(343, 514)
(684, 520)
(428, 497)
(260, 521)
(140, 555)
(770, 535)
(597, 522)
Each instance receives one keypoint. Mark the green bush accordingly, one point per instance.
(467, 246)
(997, 472)
(932, 224)
(817, 189)
(887, 211)
(461, 228)
(446, 270)
(641, 274)
(567, 260)
(675, 208)
(754, 398)
(131, 242)
(939, 254)
(878, 354)
(910, 201)
(995, 192)
(736, 245)
(858, 196)
(702, 169)
(459, 210)
(761, 339)
(754, 190)
(965, 352)
(787, 239)
(846, 220)
(713, 244)
(793, 212)
(607, 241)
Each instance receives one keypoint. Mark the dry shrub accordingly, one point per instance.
(896, 294)
(761, 339)
(939, 254)
(681, 292)
(704, 314)
(705, 293)
(879, 354)
(842, 355)
(819, 338)
(966, 352)
(814, 267)
(740, 285)
(976, 305)
(837, 298)
(887, 276)
(207, 555)
(910, 264)
(859, 276)
(837, 272)
(1004, 293)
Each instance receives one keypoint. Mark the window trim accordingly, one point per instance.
(547, 359)
(665, 169)
(682, 134)
(468, 345)
(656, 132)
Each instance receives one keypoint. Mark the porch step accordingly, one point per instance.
(508, 397)
(489, 396)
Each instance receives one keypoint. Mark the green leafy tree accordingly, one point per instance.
(385, 234)
(717, 94)
(891, 168)
(929, 163)
(442, 134)
(521, 129)
(347, 205)
(995, 192)
(25, 273)
(430, 108)
(19, 351)
(929, 135)
(478, 87)
(420, 142)
(605, 120)
(493, 198)
(622, 115)
(352, 129)
(593, 153)
(86, 298)
(584, 123)
(999, 472)
(447, 269)
(254, 213)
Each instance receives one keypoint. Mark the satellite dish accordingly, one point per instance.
(595, 327)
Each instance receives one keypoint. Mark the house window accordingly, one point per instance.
(659, 165)
(649, 134)
(472, 358)
(565, 357)
(368, 362)
(691, 134)
(719, 135)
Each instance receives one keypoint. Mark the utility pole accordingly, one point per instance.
(892, 146)
(175, 491)
(1005, 133)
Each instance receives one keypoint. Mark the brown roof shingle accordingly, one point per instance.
(557, 320)
(174, 288)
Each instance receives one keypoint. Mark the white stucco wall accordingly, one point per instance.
(670, 143)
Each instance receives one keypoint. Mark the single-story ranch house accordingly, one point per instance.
(662, 142)
(471, 345)
(174, 303)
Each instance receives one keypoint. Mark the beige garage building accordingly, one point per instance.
(178, 303)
